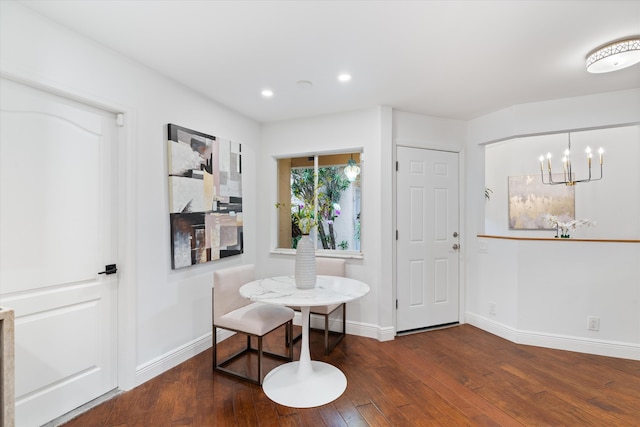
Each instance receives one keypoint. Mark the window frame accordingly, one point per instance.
(316, 160)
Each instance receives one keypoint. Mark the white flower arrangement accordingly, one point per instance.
(565, 227)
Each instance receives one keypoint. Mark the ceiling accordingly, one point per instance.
(450, 59)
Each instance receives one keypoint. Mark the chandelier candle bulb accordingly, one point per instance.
(566, 167)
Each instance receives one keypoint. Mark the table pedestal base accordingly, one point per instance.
(302, 388)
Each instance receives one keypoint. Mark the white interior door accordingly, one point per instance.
(427, 247)
(57, 231)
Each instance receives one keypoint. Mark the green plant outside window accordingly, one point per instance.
(317, 184)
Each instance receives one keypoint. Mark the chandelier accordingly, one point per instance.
(566, 166)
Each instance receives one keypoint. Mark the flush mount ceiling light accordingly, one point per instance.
(267, 93)
(614, 56)
(344, 77)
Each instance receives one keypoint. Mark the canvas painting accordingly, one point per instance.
(530, 201)
(205, 197)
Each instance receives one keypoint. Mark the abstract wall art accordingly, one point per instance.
(530, 201)
(205, 197)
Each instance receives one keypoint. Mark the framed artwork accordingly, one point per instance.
(530, 201)
(205, 197)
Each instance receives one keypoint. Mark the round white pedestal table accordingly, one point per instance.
(305, 383)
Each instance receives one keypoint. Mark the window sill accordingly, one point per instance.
(322, 253)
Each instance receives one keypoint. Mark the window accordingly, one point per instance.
(319, 183)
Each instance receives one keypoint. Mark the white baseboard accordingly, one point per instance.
(371, 331)
(353, 328)
(558, 342)
(171, 359)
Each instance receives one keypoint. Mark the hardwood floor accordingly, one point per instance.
(459, 376)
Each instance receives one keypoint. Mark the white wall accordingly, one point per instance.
(420, 131)
(165, 314)
(558, 115)
(544, 290)
(350, 131)
(377, 131)
(612, 202)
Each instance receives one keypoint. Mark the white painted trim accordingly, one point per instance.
(555, 341)
(423, 144)
(492, 327)
(353, 328)
(183, 353)
(172, 359)
(127, 260)
(387, 333)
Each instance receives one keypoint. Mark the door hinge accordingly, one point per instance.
(120, 119)
(396, 304)
(396, 166)
(396, 234)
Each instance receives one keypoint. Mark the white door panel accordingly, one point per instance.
(427, 216)
(56, 233)
(78, 311)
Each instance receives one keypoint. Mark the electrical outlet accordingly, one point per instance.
(593, 323)
(492, 307)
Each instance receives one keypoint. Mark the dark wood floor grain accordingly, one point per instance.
(460, 376)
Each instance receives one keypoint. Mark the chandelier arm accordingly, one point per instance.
(582, 180)
(568, 171)
(600, 177)
(550, 181)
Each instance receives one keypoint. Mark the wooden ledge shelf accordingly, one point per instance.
(7, 367)
(557, 239)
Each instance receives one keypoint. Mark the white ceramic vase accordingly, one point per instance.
(305, 263)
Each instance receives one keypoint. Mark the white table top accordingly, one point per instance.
(306, 383)
(282, 291)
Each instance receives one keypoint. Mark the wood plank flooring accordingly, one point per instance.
(459, 376)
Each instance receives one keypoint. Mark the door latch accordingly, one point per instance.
(109, 269)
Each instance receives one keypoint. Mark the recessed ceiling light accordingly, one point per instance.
(614, 56)
(267, 93)
(344, 77)
(304, 84)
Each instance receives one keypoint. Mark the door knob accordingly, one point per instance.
(455, 234)
(456, 246)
